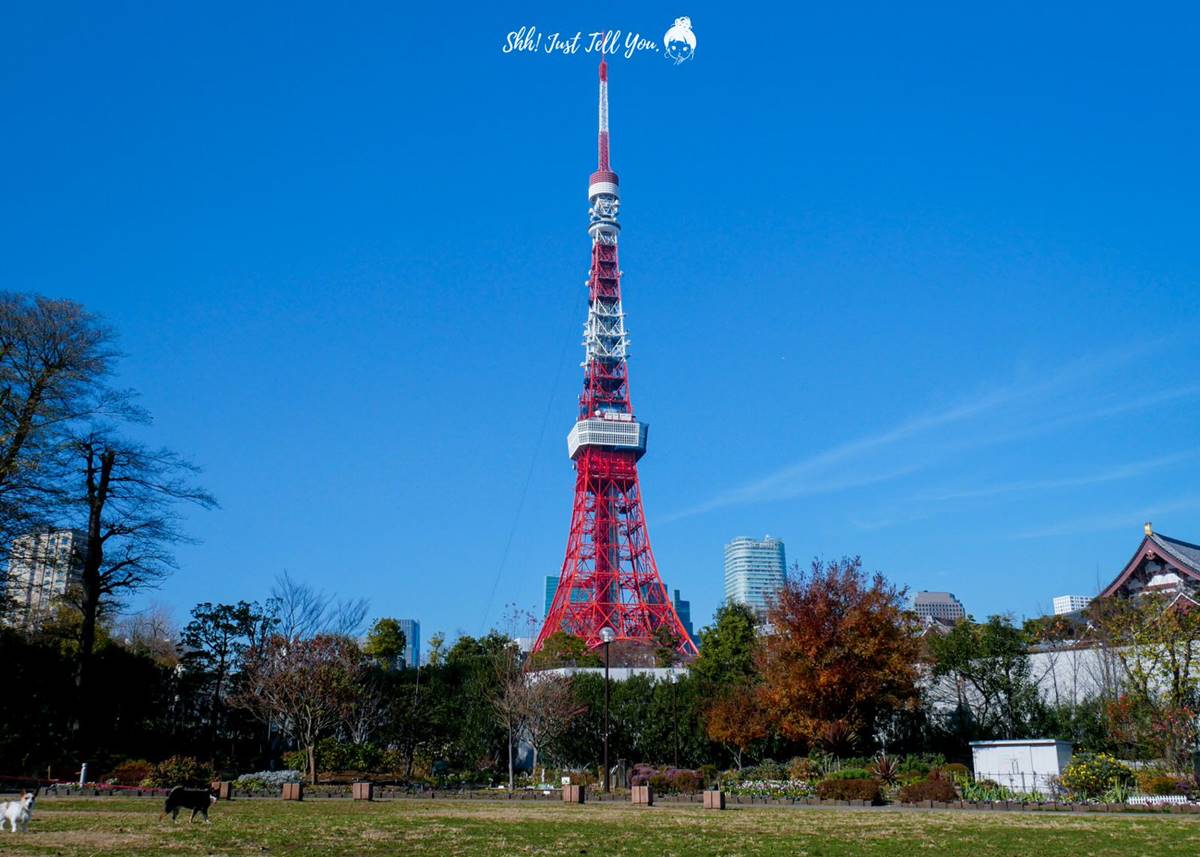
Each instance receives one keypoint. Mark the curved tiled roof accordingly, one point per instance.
(1185, 553)
(1184, 556)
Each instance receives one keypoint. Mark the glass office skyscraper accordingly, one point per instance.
(412, 642)
(755, 571)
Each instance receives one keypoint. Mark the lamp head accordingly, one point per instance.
(607, 635)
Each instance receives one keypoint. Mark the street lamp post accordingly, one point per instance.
(607, 635)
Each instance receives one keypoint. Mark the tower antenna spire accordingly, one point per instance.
(603, 164)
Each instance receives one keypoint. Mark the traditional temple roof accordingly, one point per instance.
(1187, 553)
(1160, 563)
(935, 625)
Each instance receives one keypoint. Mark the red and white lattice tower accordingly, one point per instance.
(608, 579)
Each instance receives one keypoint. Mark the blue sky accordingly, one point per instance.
(916, 283)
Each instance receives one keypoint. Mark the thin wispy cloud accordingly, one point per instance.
(883, 522)
(1115, 474)
(1086, 415)
(1033, 404)
(1104, 522)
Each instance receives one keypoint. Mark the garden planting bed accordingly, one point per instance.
(554, 796)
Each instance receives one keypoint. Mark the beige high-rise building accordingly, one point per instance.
(41, 567)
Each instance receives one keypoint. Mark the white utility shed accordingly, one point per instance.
(1022, 766)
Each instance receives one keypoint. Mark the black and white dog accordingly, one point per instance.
(197, 800)
(17, 812)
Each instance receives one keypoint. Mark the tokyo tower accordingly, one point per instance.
(609, 579)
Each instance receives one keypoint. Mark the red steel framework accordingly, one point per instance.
(609, 578)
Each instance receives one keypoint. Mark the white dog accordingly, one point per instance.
(17, 813)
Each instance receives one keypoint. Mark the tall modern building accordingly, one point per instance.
(551, 591)
(1070, 604)
(755, 571)
(41, 567)
(683, 609)
(412, 642)
(942, 606)
(578, 596)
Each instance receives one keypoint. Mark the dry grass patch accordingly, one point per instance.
(264, 828)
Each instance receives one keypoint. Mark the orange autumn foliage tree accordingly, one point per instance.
(841, 654)
(736, 719)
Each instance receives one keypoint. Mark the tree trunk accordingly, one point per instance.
(312, 763)
(83, 672)
(98, 474)
(215, 709)
(410, 750)
(510, 759)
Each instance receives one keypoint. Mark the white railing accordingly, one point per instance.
(1151, 800)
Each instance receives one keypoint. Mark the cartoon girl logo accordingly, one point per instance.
(679, 44)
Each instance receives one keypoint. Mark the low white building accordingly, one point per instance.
(942, 606)
(1023, 766)
(1064, 604)
(671, 674)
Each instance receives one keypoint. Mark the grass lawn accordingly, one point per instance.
(407, 827)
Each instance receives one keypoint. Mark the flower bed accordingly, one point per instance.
(772, 788)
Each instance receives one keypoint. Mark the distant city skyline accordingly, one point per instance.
(683, 609)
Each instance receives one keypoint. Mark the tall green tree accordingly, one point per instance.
(385, 643)
(212, 646)
(475, 739)
(727, 647)
(564, 650)
(989, 677)
(1154, 640)
(728, 677)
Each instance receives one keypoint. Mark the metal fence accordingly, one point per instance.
(1023, 781)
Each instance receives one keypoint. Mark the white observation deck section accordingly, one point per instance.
(609, 430)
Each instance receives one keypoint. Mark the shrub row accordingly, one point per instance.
(933, 787)
(175, 771)
(681, 780)
(857, 789)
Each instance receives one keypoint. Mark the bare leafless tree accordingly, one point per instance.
(55, 361)
(303, 611)
(510, 698)
(303, 686)
(367, 711)
(550, 707)
(152, 630)
(347, 617)
(125, 497)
